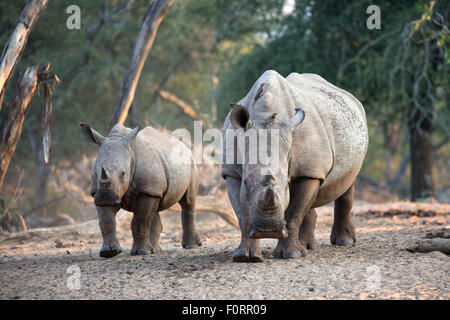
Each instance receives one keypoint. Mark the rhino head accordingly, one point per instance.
(264, 190)
(113, 169)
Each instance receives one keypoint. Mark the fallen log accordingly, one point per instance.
(215, 205)
(429, 245)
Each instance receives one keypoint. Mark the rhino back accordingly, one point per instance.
(344, 120)
(159, 171)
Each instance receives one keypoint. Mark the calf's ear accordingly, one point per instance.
(91, 135)
(296, 119)
(240, 118)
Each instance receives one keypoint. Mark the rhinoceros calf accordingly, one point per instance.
(144, 172)
(323, 138)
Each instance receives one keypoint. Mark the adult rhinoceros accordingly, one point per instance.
(323, 138)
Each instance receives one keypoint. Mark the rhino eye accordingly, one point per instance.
(122, 175)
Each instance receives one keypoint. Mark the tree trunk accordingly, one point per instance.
(42, 170)
(17, 41)
(152, 19)
(420, 130)
(11, 128)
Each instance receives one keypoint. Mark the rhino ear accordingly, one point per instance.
(130, 135)
(296, 119)
(91, 135)
(240, 118)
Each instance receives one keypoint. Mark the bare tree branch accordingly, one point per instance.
(187, 109)
(152, 19)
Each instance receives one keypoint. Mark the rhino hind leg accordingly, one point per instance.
(303, 194)
(146, 210)
(191, 237)
(155, 232)
(343, 231)
(306, 234)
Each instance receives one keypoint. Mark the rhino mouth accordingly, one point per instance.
(106, 200)
(268, 228)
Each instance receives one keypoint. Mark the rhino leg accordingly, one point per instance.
(306, 235)
(107, 223)
(146, 210)
(343, 231)
(155, 231)
(248, 250)
(303, 193)
(191, 237)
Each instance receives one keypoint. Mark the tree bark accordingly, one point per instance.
(420, 130)
(17, 41)
(152, 19)
(11, 128)
(42, 170)
(187, 109)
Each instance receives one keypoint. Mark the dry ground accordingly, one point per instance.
(377, 267)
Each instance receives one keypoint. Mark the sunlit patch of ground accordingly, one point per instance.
(377, 267)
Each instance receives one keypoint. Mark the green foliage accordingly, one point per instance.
(234, 41)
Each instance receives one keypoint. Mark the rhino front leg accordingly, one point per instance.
(191, 237)
(155, 232)
(306, 234)
(146, 210)
(303, 193)
(107, 223)
(343, 232)
(248, 250)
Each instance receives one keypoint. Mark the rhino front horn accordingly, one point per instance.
(104, 175)
(268, 201)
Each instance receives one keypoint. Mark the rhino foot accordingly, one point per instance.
(143, 249)
(191, 241)
(288, 250)
(240, 255)
(309, 243)
(344, 236)
(109, 251)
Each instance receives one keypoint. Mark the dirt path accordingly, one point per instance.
(378, 266)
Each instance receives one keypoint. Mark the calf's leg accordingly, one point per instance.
(146, 210)
(155, 232)
(191, 237)
(107, 223)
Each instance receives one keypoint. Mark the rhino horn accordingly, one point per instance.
(104, 175)
(268, 199)
(296, 119)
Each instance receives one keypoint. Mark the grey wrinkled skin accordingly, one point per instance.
(323, 139)
(144, 172)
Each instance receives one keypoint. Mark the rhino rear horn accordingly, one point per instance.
(296, 119)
